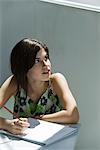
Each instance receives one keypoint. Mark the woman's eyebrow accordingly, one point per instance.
(37, 58)
(40, 57)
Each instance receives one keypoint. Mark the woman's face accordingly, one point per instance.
(41, 70)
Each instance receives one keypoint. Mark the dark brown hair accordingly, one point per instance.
(22, 58)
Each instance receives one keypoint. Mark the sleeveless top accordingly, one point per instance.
(25, 107)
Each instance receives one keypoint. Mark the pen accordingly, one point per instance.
(13, 113)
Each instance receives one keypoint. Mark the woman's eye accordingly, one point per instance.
(46, 58)
(37, 61)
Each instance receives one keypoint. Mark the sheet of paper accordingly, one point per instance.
(4, 139)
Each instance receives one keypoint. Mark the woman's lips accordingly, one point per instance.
(47, 70)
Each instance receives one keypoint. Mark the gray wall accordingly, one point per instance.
(18, 21)
(72, 36)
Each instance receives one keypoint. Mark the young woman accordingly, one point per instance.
(37, 91)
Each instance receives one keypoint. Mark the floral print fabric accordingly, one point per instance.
(47, 104)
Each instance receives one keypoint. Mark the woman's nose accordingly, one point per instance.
(44, 63)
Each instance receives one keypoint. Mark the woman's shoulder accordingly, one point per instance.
(9, 80)
(59, 84)
(10, 83)
(56, 77)
(57, 81)
(8, 88)
(12, 80)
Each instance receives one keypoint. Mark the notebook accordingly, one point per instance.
(44, 133)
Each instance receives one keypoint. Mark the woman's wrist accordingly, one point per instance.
(4, 123)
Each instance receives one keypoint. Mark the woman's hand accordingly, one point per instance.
(16, 126)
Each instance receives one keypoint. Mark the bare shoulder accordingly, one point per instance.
(57, 77)
(58, 83)
(9, 84)
(7, 90)
(9, 80)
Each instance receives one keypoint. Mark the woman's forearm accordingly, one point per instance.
(62, 117)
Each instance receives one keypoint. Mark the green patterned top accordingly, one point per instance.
(47, 104)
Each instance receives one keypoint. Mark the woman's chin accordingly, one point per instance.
(46, 77)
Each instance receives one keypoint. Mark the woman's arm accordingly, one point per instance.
(7, 89)
(70, 113)
(14, 126)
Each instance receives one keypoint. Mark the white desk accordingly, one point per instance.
(66, 143)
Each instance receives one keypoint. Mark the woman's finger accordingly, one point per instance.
(22, 123)
(24, 119)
